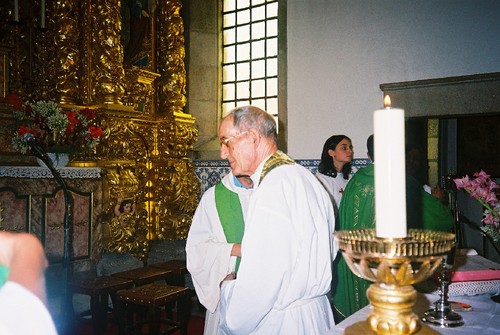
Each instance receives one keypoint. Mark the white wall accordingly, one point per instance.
(340, 51)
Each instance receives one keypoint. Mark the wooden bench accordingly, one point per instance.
(144, 275)
(177, 267)
(99, 288)
(155, 298)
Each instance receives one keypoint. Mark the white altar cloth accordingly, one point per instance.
(484, 318)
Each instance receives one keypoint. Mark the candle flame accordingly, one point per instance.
(387, 101)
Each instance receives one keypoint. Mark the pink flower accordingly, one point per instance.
(462, 182)
(489, 218)
(482, 188)
(482, 176)
(479, 192)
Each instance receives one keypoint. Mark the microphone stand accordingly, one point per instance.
(39, 152)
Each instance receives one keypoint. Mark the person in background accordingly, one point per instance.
(23, 298)
(417, 167)
(213, 245)
(357, 211)
(287, 246)
(334, 170)
(416, 164)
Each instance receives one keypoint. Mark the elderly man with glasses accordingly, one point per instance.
(287, 245)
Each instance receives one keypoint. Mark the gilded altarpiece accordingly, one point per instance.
(130, 69)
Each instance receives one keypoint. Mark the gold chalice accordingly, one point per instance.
(393, 265)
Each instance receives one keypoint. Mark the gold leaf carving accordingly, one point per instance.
(147, 138)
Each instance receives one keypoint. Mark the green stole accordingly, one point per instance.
(228, 203)
(4, 273)
(230, 215)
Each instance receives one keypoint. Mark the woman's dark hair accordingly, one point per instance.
(369, 147)
(326, 164)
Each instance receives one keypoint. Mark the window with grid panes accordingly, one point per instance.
(250, 54)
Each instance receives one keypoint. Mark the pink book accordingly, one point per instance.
(474, 268)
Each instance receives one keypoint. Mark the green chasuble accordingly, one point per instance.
(230, 215)
(357, 211)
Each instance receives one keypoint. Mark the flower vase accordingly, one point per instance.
(58, 160)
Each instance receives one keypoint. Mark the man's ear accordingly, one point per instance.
(255, 135)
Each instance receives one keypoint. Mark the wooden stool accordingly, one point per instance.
(153, 297)
(144, 275)
(98, 288)
(178, 268)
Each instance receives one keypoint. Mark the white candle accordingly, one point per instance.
(16, 11)
(390, 186)
(42, 14)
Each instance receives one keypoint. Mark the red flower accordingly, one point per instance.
(23, 130)
(73, 121)
(28, 110)
(89, 114)
(53, 126)
(95, 132)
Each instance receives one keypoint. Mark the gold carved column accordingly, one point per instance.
(65, 18)
(171, 53)
(106, 56)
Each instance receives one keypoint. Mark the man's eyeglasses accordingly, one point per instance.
(225, 141)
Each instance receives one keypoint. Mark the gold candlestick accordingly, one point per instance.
(394, 265)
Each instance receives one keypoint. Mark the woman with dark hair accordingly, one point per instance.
(334, 170)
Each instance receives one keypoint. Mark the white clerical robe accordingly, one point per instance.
(287, 251)
(209, 258)
(21, 312)
(334, 186)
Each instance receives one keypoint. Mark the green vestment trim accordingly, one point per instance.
(4, 273)
(276, 159)
(230, 215)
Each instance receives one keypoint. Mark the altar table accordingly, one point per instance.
(484, 318)
(31, 200)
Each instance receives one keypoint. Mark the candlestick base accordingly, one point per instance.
(394, 265)
(362, 327)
